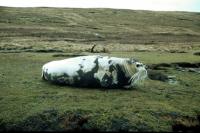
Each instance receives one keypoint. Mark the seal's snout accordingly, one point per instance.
(139, 65)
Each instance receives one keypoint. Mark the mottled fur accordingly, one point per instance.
(95, 71)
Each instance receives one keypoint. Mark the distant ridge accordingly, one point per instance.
(106, 25)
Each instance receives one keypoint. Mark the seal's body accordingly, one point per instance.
(95, 71)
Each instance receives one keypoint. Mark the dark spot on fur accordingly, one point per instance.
(87, 79)
(111, 68)
(81, 66)
(109, 61)
(121, 76)
(106, 80)
(61, 80)
(80, 72)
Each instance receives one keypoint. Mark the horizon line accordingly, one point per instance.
(100, 8)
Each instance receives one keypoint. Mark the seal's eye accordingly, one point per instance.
(138, 65)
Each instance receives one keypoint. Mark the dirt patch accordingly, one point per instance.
(186, 65)
(79, 120)
(31, 50)
(196, 53)
(45, 121)
(180, 123)
(177, 51)
(13, 51)
(46, 50)
(154, 72)
(156, 75)
(186, 124)
(180, 66)
(74, 122)
(50, 120)
(174, 65)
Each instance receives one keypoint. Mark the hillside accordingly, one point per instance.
(168, 43)
(67, 27)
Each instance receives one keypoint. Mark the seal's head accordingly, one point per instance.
(140, 73)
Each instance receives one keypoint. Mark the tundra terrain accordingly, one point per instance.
(167, 42)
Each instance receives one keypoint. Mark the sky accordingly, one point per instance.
(155, 5)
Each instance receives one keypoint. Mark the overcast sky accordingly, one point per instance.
(157, 5)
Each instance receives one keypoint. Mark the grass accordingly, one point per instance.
(30, 29)
(25, 94)
(30, 37)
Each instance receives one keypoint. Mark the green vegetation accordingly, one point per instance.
(30, 37)
(36, 29)
(154, 106)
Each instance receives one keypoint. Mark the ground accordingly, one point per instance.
(33, 37)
